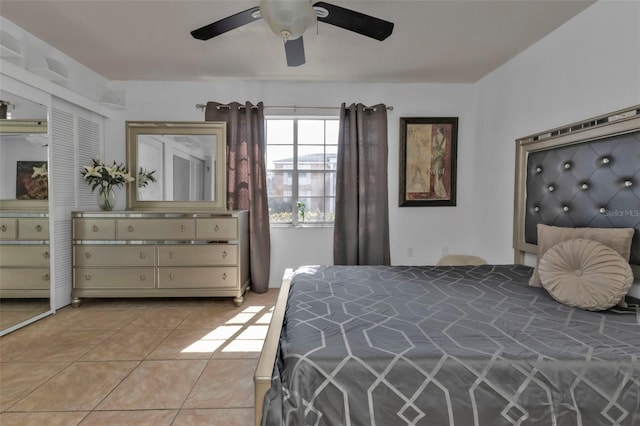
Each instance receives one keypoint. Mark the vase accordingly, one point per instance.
(106, 198)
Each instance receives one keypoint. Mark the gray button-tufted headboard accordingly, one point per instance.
(593, 184)
(587, 178)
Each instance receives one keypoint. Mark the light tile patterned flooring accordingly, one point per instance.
(136, 362)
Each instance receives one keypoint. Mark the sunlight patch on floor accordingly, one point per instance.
(236, 335)
(203, 346)
(244, 346)
(265, 319)
(246, 315)
(223, 332)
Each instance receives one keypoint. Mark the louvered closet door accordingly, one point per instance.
(76, 137)
(89, 147)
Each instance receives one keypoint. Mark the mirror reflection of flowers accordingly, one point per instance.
(144, 177)
(104, 177)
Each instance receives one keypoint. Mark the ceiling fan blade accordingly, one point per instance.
(295, 52)
(351, 20)
(227, 24)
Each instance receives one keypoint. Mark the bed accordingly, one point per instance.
(472, 345)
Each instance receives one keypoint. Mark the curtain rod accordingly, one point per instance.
(293, 107)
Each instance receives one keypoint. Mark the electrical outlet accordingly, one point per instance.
(410, 252)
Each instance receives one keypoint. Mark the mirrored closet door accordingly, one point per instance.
(25, 242)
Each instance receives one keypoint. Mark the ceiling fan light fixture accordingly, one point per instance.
(321, 12)
(288, 19)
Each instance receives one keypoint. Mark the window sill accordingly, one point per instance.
(305, 225)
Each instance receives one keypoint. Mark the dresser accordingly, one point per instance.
(160, 254)
(24, 255)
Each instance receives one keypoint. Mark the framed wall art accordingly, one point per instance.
(428, 154)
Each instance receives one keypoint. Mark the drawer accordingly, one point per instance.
(8, 228)
(113, 277)
(30, 255)
(113, 255)
(155, 229)
(33, 228)
(24, 279)
(194, 277)
(94, 229)
(217, 228)
(198, 255)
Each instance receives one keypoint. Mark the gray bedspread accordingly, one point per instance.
(376, 345)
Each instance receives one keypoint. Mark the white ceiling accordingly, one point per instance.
(433, 41)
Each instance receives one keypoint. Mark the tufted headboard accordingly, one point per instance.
(586, 174)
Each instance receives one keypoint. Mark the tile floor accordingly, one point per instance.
(136, 362)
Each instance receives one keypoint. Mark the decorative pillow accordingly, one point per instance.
(618, 239)
(585, 274)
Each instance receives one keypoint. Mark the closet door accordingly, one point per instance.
(24, 218)
(76, 138)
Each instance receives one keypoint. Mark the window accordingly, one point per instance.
(301, 169)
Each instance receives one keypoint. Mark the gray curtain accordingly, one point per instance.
(361, 229)
(246, 179)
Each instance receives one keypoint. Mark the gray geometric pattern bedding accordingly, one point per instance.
(401, 345)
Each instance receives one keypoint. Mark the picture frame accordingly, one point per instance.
(32, 180)
(428, 161)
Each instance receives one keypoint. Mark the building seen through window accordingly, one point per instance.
(301, 169)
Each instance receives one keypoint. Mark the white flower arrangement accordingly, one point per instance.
(99, 175)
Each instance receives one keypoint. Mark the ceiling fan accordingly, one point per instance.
(289, 19)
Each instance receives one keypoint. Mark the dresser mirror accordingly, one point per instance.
(24, 211)
(177, 165)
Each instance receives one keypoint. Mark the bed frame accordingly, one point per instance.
(264, 370)
(548, 197)
(585, 174)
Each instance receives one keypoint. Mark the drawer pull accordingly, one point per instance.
(216, 228)
(38, 228)
(87, 255)
(224, 275)
(130, 228)
(171, 277)
(143, 255)
(87, 277)
(181, 228)
(171, 255)
(95, 228)
(142, 277)
(45, 255)
(45, 277)
(3, 228)
(224, 254)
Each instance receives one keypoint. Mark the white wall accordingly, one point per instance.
(425, 230)
(587, 67)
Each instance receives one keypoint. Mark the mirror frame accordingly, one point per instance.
(216, 128)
